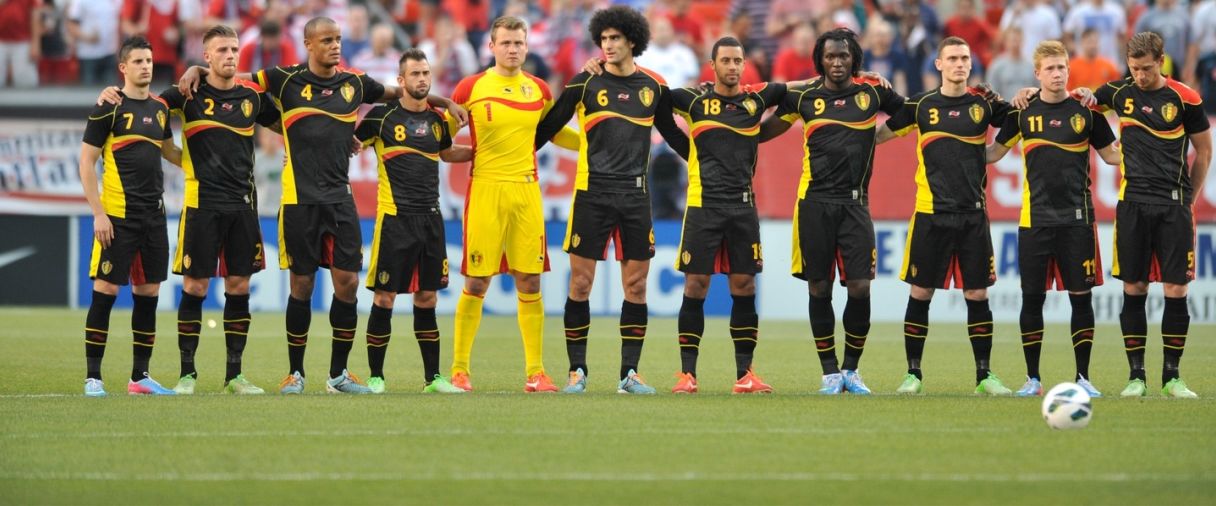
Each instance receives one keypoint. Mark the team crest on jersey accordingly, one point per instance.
(160, 118)
(186, 261)
(976, 112)
(646, 95)
(1169, 111)
(574, 241)
(348, 92)
(750, 105)
(1077, 122)
(383, 277)
(437, 131)
(686, 257)
(863, 100)
(106, 267)
(246, 108)
(525, 90)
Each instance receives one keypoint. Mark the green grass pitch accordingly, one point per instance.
(501, 446)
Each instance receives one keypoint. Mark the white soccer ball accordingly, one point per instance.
(1067, 406)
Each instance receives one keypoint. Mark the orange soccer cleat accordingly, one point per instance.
(539, 382)
(687, 384)
(461, 380)
(751, 384)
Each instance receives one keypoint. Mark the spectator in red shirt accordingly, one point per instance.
(273, 48)
(795, 62)
(241, 13)
(159, 22)
(973, 29)
(20, 42)
(688, 29)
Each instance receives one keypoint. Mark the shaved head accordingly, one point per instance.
(315, 23)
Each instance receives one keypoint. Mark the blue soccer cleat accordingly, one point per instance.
(854, 384)
(1033, 387)
(292, 384)
(148, 386)
(833, 384)
(94, 388)
(346, 383)
(576, 383)
(633, 384)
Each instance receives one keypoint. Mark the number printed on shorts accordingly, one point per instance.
(445, 267)
(1088, 264)
(757, 251)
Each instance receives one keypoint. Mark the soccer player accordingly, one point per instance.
(1057, 236)
(318, 225)
(833, 231)
(1159, 120)
(504, 224)
(721, 232)
(130, 243)
(949, 241)
(616, 110)
(409, 252)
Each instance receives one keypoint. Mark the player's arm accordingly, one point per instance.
(1111, 154)
(774, 95)
(457, 153)
(103, 230)
(1203, 159)
(665, 122)
(561, 112)
(899, 124)
(1102, 138)
(171, 152)
(781, 120)
(188, 83)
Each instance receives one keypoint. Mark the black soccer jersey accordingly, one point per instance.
(407, 149)
(217, 146)
(1153, 128)
(616, 114)
(318, 117)
(724, 130)
(951, 172)
(1055, 159)
(130, 136)
(838, 126)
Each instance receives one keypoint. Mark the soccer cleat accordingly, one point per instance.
(686, 384)
(185, 385)
(854, 384)
(441, 385)
(576, 383)
(832, 384)
(375, 384)
(147, 386)
(1135, 388)
(461, 380)
(94, 388)
(911, 385)
(992, 386)
(1177, 388)
(751, 384)
(292, 384)
(539, 382)
(633, 384)
(1032, 388)
(1089, 387)
(346, 383)
(241, 386)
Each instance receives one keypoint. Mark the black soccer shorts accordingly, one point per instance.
(596, 217)
(218, 243)
(720, 240)
(949, 250)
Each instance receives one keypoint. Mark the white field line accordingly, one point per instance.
(690, 476)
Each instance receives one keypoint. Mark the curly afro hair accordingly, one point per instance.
(629, 22)
(840, 35)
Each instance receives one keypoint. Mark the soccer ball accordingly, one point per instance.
(1067, 406)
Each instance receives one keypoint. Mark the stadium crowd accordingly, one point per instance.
(70, 42)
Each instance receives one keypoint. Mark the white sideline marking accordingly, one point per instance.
(609, 477)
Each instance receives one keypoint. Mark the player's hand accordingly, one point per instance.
(459, 112)
(1085, 95)
(706, 86)
(1022, 98)
(109, 95)
(987, 92)
(594, 66)
(882, 81)
(356, 147)
(103, 230)
(188, 84)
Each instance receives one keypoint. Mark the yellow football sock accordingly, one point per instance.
(468, 318)
(532, 328)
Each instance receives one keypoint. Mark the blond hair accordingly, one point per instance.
(507, 23)
(1048, 49)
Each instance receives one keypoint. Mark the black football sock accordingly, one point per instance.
(979, 330)
(1134, 325)
(916, 331)
(823, 330)
(96, 333)
(577, 320)
(379, 331)
(426, 332)
(189, 326)
(634, 318)
(690, 326)
(1175, 323)
(344, 320)
(1082, 330)
(236, 332)
(744, 331)
(143, 330)
(299, 317)
(1031, 322)
(856, 327)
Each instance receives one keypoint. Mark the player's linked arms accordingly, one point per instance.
(1021, 99)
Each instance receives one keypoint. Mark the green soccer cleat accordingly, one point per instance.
(992, 386)
(911, 385)
(441, 385)
(1135, 388)
(241, 386)
(185, 385)
(376, 384)
(1177, 388)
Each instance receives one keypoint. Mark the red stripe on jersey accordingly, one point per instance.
(251, 85)
(522, 106)
(653, 75)
(1189, 96)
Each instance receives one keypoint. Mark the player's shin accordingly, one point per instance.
(379, 331)
(1031, 322)
(856, 327)
(577, 320)
(468, 319)
(299, 316)
(1134, 324)
(531, 317)
(236, 332)
(343, 319)
(823, 330)
(979, 331)
(1175, 323)
(189, 326)
(96, 332)
(634, 318)
(1082, 330)
(744, 331)
(916, 330)
(143, 330)
(426, 332)
(690, 326)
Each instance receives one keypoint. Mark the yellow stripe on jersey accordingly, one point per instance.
(395, 151)
(113, 196)
(1031, 144)
(1176, 133)
(301, 112)
(699, 127)
(589, 121)
(192, 127)
(927, 138)
(1024, 219)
